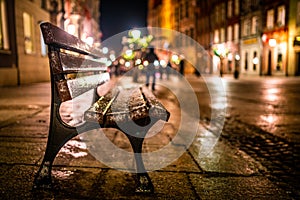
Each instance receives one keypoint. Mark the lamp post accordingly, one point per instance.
(236, 67)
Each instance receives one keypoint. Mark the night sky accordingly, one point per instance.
(118, 16)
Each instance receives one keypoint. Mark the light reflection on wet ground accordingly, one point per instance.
(75, 148)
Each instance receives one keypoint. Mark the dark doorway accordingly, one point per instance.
(297, 64)
(269, 63)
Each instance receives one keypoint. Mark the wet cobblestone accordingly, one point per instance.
(278, 156)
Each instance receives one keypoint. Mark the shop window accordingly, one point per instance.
(4, 36)
(28, 33)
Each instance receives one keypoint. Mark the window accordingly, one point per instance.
(270, 19)
(254, 27)
(281, 16)
(236, 7)
(247, 26)
(236, 32)
(229, 8)
(229, 33)
(222, 35)
(28, 33)
(4, 39)
(216, 36)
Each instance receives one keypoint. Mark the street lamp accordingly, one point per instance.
(136, 34)
(272, 42)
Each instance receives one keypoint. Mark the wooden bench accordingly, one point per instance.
(75, 70)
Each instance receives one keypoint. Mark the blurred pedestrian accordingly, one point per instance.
(151, 57)
(168, 70)
(181, 66)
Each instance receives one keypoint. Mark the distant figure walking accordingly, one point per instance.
(181, 67)
(151, 57)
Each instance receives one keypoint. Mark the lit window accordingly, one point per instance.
(28, 33)
(281, 16)
(4, 39)
(236, 32)
(222, 35)
(270, 18)
(229, 33)
(216, 36)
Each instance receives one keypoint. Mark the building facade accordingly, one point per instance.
(294, 38)
(255, 37)
(176, 15)
(250, 38)
(23, 54)
(275, 37)
(22, 51)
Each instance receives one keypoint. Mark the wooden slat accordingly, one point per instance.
(69, 89)
(57, 37)
(157, 110)
(72, 64)
(129, 105)
(97, 112)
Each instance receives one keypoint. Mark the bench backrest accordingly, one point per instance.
(75, 66)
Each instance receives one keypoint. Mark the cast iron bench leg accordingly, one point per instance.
(143, 181)
(58, 136)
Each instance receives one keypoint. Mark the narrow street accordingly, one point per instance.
(263, 120)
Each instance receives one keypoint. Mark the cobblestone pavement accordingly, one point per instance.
(280, 157)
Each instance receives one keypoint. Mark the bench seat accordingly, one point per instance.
(126, 105)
